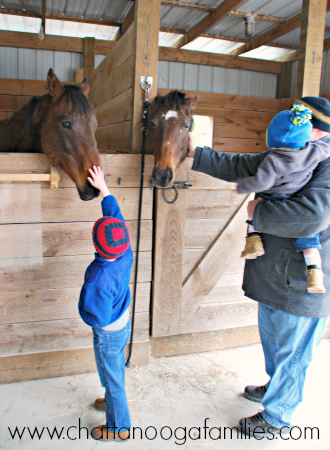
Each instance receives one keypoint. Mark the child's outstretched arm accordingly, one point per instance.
(97, 180)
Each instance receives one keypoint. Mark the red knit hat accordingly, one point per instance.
(110, 237)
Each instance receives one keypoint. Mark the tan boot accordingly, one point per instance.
(99, 404)
(103, 434)
(315, 280)
(253, 247)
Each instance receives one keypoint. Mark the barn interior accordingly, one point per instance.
(247, 60)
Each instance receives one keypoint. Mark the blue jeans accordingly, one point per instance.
(288, 343)
(109, 349)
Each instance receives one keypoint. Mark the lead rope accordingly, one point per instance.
(144, 131)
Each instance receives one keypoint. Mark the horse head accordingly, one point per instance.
(169, 128)
(67, 132)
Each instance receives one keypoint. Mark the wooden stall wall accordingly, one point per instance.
(41, 333)
(198, 303)
(111, 95)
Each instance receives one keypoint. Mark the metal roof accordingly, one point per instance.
(170, 17)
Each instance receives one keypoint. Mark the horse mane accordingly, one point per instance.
(73, 95)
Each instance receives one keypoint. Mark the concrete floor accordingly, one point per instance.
(181, 391)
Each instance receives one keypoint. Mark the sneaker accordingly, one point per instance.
(315, 280)
(103, 434)
(99, 404)
(253, 247)
(255, 393)
(256, 426)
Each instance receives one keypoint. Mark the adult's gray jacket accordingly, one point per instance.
(278, 278)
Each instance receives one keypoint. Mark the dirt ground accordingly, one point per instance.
(172, 400)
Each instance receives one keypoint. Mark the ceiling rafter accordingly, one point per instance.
(17, 12)
(260, 17)
(274, 33)
(215, 16)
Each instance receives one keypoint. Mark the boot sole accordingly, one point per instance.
(316, 290)
(97, 438)
(253, 255)
(253, 399)
(97, 408)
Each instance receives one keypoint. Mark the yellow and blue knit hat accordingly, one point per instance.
(290, 129)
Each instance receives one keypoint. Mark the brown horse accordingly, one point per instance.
(169, 127)
(60, 124)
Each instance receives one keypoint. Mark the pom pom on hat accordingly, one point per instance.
(110, 237)
(290, 129)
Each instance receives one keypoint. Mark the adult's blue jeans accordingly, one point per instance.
(288, 343)
(109, 349)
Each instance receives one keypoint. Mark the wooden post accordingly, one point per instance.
(89, 56)
(283, 81)
(310, 53)
(147, 17)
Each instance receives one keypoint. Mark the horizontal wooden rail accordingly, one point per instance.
(53, 177)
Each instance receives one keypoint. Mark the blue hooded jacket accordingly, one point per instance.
(105, 294)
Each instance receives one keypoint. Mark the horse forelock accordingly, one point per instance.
(75, 97)
(176, 101)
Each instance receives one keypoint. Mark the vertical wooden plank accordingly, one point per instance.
(147, 17)
(283, 81)
(89, 55)
(168, 260)
(310, 53)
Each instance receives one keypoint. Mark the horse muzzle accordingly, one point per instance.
(162, 177)
(89, 193)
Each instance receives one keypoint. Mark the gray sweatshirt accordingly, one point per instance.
(285, 171)
(278, 278)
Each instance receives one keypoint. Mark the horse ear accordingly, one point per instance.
(85, 87)
(192, 100)
(54, 85)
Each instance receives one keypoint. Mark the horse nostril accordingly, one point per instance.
(169, 174)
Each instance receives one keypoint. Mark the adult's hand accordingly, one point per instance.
(252, 206)
(192, 145)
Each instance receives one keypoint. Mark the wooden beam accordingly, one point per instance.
(18, 12)
(129, 19)
(260, 17)
(215, 16)
(291, 57)
(270, 35)
(59, 43)
(89, 56)
(145, 63)
(213, 59)
(186, 5)
(310, 53)
(43, 16)
(274, 33)
(283, 81)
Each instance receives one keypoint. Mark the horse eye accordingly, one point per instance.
(185, 127)
(152, 124)
(66, 124)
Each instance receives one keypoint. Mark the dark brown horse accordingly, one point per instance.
(169, 128)
(60, 124)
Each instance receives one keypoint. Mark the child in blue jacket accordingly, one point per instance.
(103, 305)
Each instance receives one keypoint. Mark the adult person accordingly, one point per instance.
(291, 321)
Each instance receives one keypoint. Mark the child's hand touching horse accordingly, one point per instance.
(97, 180)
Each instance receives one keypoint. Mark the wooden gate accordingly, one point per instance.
(197, 267)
